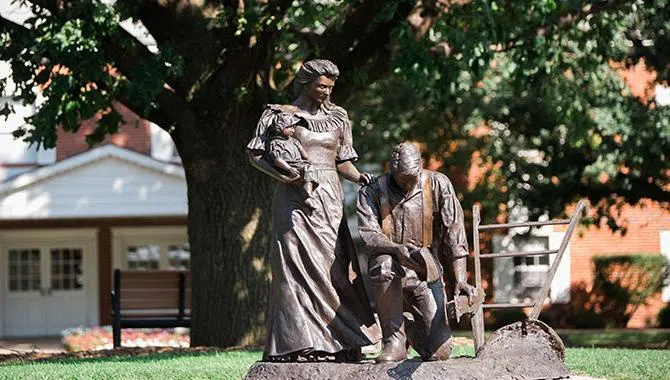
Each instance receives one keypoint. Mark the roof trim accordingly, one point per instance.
(40, 174)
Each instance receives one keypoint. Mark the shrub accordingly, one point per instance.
(585, 319)
(664, 317)
(623, 283)
(505, 317)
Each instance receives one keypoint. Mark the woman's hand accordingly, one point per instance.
(366, 178)
(295, 181)
(259, 163)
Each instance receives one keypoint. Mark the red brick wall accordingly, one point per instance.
(134, 134)
(645, 222)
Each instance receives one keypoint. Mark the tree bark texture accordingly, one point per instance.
(229, 234)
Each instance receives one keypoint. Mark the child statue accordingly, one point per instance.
(288, 155)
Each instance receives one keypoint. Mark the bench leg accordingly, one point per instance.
(116, 334)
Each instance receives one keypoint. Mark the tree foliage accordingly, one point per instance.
(526, 90)
(625, 282)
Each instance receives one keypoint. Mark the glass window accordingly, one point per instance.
(530, 272)
(158, 256)
(143, 257)
(24, 270)
(66, 269)
(179, 257)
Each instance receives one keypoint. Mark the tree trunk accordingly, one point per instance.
(229, 234)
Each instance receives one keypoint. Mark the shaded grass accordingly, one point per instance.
(604, 363)
(619, 338)
(218, 365)
(629, 338)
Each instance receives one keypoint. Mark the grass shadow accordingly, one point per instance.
(139, 356)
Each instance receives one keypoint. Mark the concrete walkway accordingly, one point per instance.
(46, 345)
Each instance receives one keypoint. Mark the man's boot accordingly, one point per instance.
(389, 303)
(433, 340)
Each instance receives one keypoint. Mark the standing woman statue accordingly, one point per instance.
(318, 305)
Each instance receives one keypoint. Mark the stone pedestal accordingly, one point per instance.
(523, 350)
(452, 369)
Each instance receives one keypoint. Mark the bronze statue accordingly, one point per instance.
(287, 154)
(410, 221)
(318, 306)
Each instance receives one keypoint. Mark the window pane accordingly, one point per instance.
(530, 260)
(24, 269)
(544, 259)
(79, 282)
(179, 257)
(66, 271)
(143, 257)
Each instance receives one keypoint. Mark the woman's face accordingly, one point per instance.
(319, 90)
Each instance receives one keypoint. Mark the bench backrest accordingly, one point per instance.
(153, 290)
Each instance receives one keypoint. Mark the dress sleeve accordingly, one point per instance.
(262, 132)
(345, 148)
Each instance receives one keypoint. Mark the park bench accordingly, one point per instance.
(156, 298)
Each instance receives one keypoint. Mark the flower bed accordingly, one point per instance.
(100, 338)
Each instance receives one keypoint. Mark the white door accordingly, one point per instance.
(45, 289)
(24, 302)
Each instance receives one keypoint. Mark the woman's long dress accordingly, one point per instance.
(317, 299)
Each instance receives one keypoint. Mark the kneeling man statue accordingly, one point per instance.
(411, 221)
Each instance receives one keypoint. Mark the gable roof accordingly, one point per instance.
(107, 151)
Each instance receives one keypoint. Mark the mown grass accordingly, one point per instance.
(619, 363)
(218, 365)
(602, 338)
(629, 338)
(603, 363)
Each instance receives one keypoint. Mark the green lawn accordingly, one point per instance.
(603, 338)
(619, 363)
(604, 363)
(629, 338)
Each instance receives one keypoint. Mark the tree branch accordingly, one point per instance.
(370, 53)
(172, 110)
(336, 42)
(241, 62)
(426, 13)
(12, 27)
(183, 28)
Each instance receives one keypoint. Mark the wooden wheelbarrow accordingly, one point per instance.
(529, 337)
